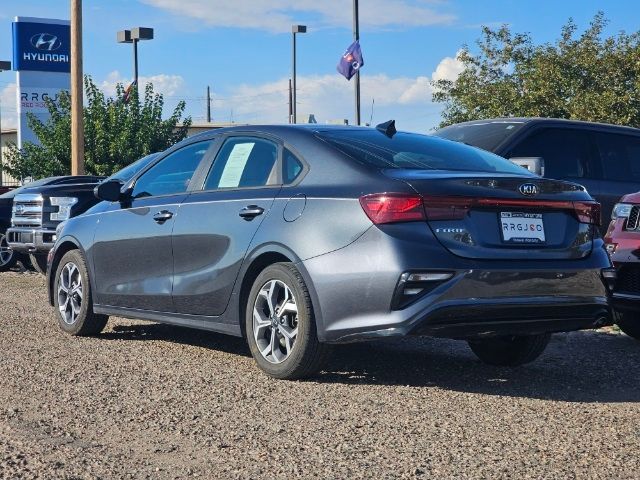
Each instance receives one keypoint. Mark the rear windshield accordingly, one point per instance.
(485, 135)
(414, 151)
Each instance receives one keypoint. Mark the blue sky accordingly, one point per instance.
(242, 49)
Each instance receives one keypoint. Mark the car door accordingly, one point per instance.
(216, 225)
(620, 158)
(132, 251)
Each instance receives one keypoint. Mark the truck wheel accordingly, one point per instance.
(629, 323)
(8, 257)
(280, 325)
(72, 297)
(510, 350)
(39, 263)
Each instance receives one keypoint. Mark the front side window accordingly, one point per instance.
(566, 152)
(244, 162)
(172, 174)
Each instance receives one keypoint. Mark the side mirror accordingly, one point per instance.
(111, 191)
(533, 164)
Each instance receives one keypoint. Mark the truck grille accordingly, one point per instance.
(628, 280)
(27, 211)
(632, 221)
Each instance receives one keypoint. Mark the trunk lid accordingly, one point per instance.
(494, 216)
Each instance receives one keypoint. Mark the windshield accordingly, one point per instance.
(486, 135)
(128, 172)
(414, 151)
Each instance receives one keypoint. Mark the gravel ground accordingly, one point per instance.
(152, 401)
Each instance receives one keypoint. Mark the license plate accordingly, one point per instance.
(522, 227)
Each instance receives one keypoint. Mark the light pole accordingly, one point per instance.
(134, 36)
(295, 29)
(3, 67)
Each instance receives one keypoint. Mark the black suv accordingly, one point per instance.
(603, 158)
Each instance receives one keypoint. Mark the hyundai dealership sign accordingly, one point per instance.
(41, 57)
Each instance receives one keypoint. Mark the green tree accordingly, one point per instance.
(579, 76)
(117, 131)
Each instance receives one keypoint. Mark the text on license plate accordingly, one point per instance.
(522, 227)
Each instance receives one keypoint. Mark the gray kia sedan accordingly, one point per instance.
(299, 237)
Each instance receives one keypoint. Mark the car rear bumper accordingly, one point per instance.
(353, 292)
(31, 240)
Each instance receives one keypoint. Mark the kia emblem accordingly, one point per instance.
(529, 189)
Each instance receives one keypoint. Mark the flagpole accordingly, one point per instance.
(356, 37)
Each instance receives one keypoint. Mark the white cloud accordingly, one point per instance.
(278, 15)
(330, 97)
(448, 69)
(168, 85)
(9, 111)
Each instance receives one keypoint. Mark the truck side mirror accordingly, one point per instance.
(533, 164)
(111, 191)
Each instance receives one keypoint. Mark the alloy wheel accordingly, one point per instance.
(275, 321)
(70, 293)
(6, 254)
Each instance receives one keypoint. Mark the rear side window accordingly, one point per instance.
(485, 135)
(620, 155)
(244, 162)
(566, 152)
(291, 167)
(413, 151)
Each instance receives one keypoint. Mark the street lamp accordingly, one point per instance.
(4, 65)
(295, 29)
(134, 36)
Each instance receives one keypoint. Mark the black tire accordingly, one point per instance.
(510, 350)
(25, 261)
(8, 257)
(39, 263)
(81, 321)
(307, 355)
(629, 323)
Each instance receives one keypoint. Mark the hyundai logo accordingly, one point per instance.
(19, 209)
(45, 41)
(529, 189)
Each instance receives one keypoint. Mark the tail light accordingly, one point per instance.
(397, 207)
(588, 212)
(455, 208)
(392, 207)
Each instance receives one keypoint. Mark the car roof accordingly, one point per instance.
(285, 129)
(546, 120)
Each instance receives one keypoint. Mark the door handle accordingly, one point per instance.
(162, 216)
(251, 211)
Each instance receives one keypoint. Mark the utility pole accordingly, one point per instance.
(77, 125)
(290, 102)
(208, 104)
(356, 37)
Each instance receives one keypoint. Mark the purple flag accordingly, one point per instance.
(351, 61)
